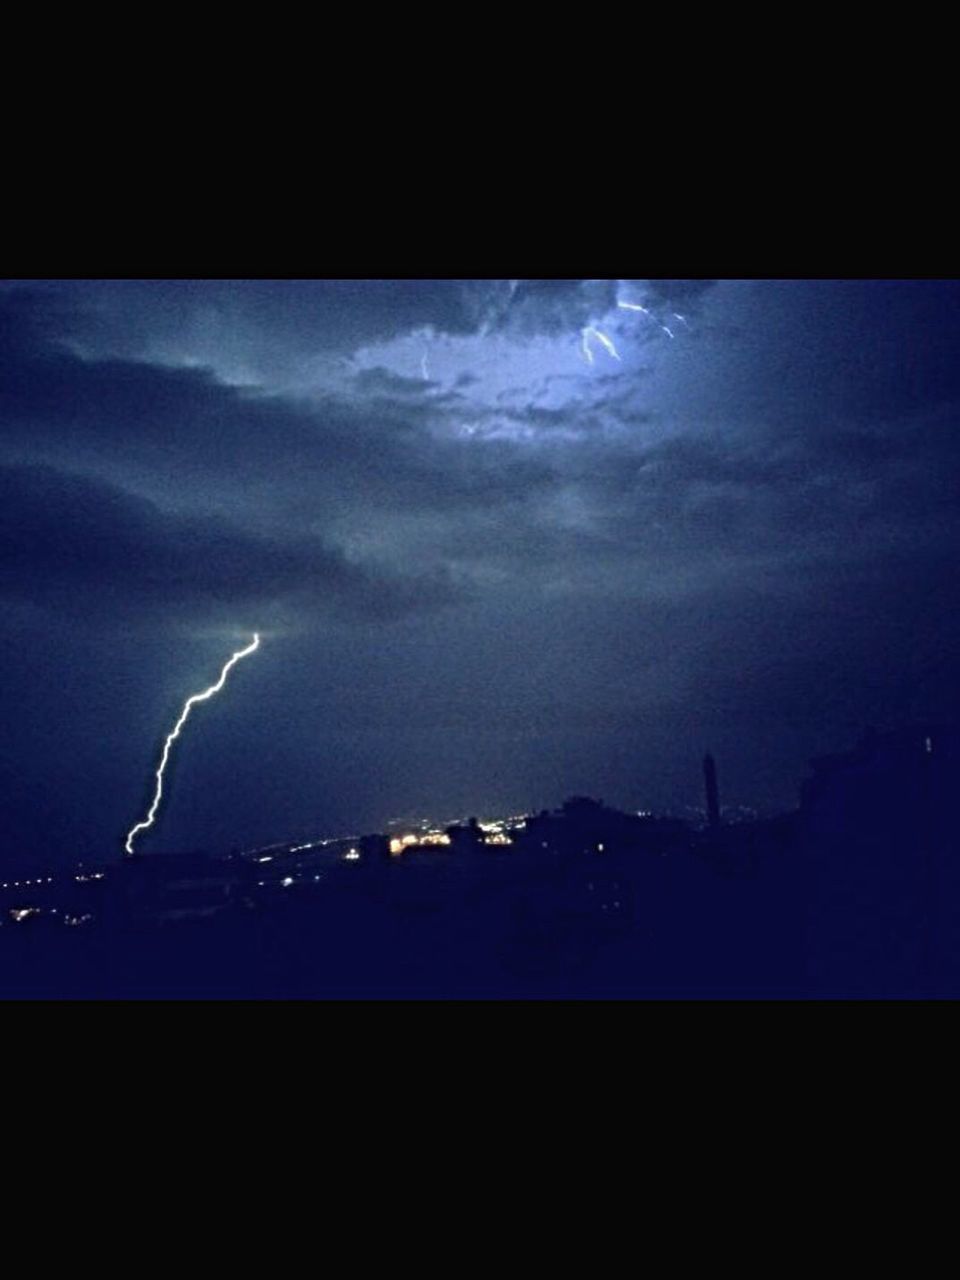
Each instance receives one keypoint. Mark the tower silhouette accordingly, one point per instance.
(713, 798)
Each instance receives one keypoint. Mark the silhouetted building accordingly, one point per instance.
(465, 839)
(891, 785)
(881, 833)
(713, 796)
(586, 826)
(374, 846)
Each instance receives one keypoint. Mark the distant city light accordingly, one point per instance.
(287, 881)
(352, 855)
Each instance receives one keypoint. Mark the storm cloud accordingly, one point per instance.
(575, 576)
(77, 544)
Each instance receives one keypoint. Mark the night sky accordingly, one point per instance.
(492, 564)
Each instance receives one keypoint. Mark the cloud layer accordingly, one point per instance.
(744, 533)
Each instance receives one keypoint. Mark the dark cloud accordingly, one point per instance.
(556, 306)
(381, 382)
(288, 318)
(82, 546)
(675, 292)
(389, 447)
(567, 306)
(269, 328)
(389, 456)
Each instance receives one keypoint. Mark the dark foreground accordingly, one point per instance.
(616, 927)
(854, 895)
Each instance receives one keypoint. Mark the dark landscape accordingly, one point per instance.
(854, 894)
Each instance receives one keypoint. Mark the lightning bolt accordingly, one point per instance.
(635, 306)
(607, 343)
(175, 733)
(590, 332)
